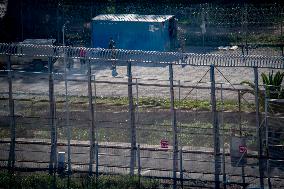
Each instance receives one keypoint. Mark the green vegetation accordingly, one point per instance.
(80, 103)
(4, 132)
(267, 39)
(164, 103)
(272, 84)
(196, 133)
(116, 130)
(193, 132)
(272, 87)
(45, 181)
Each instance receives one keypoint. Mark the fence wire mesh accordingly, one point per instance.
(156, 121)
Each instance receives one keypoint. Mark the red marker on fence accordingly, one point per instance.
(164, 143)
(242, 149)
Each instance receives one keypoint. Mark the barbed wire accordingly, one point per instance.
(162, 58)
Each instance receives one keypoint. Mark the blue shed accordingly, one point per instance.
(135, 32)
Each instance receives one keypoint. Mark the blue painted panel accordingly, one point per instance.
(148, 36)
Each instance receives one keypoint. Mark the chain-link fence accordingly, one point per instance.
(254, 28)
(188, 121)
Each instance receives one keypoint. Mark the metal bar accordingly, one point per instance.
(139, 163)
(67, 115)
(241, 133)
(179, 112)
(258, 128)
(181, 168)
(146, 84)
(11, 161)
(215, 129)
(266, 138)
(92, 118)
(53, 150)
(139, 160)
(53, 129)
(95, 109)
(137, 100)
(97, 162)
(223, 138)
(181, 144)
(96, 130)
(131, 120)
(179, 92)
(239, 111)
(174, 126)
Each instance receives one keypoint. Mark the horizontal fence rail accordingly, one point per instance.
(194, 59)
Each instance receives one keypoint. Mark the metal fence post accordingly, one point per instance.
(215, 128)
(67, 116)
(266, 139)
(179, 115)
(139, 163)
(96, 130)
(11, 161)
(137, 101)
(92, 118)
(131, 120)
(174, 126)
(53, 150)
(180, 130)
(241, 133)
(97, 161)
(181, 168)
(258, 128)
(223, 137)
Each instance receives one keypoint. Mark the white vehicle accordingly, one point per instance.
(38, 62)
(25, 54)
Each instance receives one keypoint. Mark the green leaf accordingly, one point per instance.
(250, 84)
(264, 79)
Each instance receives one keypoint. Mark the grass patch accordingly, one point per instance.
(191, 134)
(258, 39)
(34, 107)
(45, 181)
(191, 104)
(185, 104)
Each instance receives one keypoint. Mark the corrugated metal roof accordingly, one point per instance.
(132, 17)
